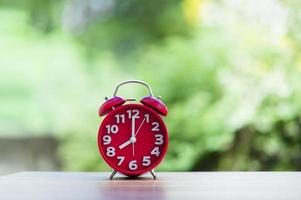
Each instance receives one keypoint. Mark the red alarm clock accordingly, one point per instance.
(132, 137)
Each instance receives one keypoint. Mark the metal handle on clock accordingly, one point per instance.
(133, 81)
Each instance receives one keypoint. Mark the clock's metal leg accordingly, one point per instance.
(113, 174)
(153, 174)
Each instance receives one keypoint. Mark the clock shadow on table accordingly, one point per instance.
(142, 187)
(138, 178)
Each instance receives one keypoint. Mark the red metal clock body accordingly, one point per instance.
(133, 138)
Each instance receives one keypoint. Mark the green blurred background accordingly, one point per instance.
(228, 70)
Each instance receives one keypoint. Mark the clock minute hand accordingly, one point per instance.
(132, 139)
(133, 127)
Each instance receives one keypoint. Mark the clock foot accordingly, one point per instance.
(153, 174)
(113, 174)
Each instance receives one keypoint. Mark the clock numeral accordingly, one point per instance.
(121, 159)
(120, 118)
(133, 165)
(146, 161)
(155, 151)
(106, 139)
(146, 116)
(155, 126)
(110, 151)
(133, 113)
(112, 129)
(159, 139)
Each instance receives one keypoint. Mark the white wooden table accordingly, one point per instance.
(179, 185)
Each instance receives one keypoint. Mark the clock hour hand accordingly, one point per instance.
(130, 141)
(125, 144)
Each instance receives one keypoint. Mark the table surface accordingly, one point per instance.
(177, 185)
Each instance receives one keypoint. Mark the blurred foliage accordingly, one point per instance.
(229, 72)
